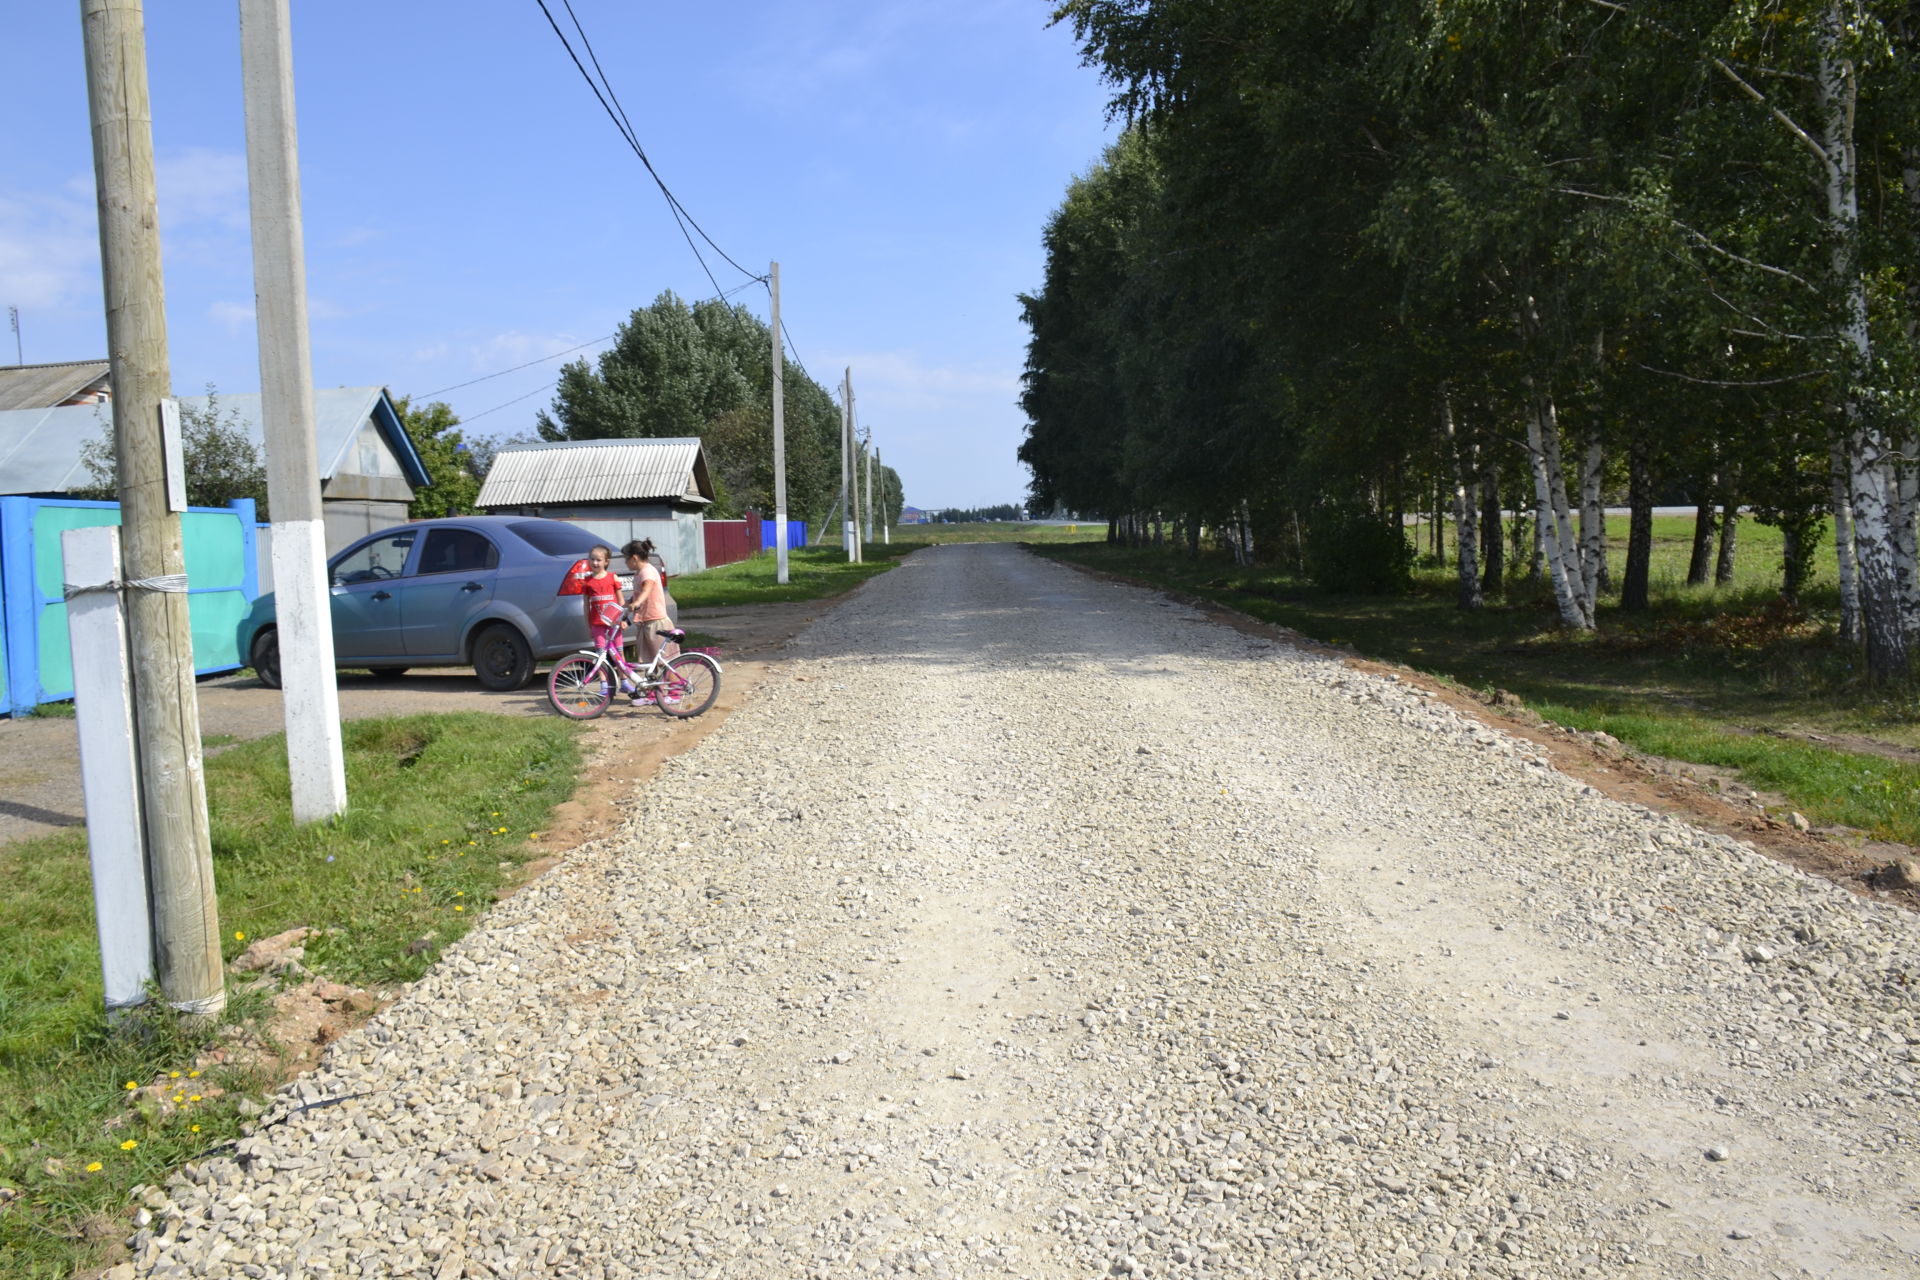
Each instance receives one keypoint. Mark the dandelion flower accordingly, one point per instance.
(196, 1128)
(496, 813)
(459, 908)
(93, 1167)
(179, 1098)
(446, 842)
(129, 1145)
(173, 1075)
(194, 1098)
(472, 842)
(459, 893)
(238, 936)
(131, 1085)
(194, 1074)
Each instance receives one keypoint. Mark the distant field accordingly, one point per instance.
(1002, 531)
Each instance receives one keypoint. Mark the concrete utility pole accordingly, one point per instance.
(853, 471)
(310, 702)
(186, 921)
(867, 508)
(779, 434)
(847, 538)
(886, 528)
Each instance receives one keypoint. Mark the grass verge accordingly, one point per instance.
(1724, 677)
(440, 809)
(813, 573)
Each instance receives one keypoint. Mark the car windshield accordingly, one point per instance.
(553, 538)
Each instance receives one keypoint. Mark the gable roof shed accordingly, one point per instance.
(43, 386)
(40, 448)
(566, 472)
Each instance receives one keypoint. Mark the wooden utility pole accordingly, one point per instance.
(186, 923)
(310, 698)
(779, 433)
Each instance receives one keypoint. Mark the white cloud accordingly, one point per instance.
(49, 251)
(200, 185)
(234, 317)
(505, 350)
(903, 378)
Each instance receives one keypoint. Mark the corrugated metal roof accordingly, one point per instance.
(41, 386)
(40, 448)
(671, 469)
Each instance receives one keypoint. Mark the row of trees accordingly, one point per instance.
(706, 370)
(1360, 257)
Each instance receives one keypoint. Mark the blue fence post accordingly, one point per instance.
(249, 546)
(21, 604)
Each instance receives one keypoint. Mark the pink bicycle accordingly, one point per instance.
(584, 684)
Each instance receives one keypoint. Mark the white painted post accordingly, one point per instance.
(303, 606)
(109, 766)
(779, 433)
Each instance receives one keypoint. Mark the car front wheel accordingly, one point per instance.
(502, 659)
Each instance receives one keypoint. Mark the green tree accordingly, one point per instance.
(222, 462)
(444, 452)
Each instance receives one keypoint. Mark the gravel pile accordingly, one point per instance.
(1030, 925)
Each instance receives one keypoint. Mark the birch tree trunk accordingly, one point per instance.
(1729, 532)
(1698, 563)
(1873, 487)
(1634, 595)
(1493, 567)
(1839, 470)
(1466, 509)
(1554, 522)
(1593, 523)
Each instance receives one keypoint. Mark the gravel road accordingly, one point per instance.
(1026, 924)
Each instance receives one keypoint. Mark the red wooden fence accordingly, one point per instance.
(731, 540)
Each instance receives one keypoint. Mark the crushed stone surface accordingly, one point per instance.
(1026, 924)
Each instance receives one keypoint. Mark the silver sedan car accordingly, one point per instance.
(442, 593)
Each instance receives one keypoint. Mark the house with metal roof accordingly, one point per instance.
(43, 386)
(369, 468)
(619, 489)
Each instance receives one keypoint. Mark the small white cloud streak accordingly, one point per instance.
(200, 185)
(49, 251)
(234, 317)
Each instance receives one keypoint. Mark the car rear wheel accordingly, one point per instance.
(502, 659)
(266, 657)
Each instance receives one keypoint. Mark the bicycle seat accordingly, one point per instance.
(675, 634)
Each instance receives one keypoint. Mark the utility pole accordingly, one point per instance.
(13, 318)
(310, 701)
(847, 538)
(886, 527)
(868, 508)
(186, 919)
(853, 471)
(779, 434)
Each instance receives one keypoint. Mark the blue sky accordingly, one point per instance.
(469, 207)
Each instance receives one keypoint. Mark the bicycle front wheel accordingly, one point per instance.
(691, 683)
(580, 687)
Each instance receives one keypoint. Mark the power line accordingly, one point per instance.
(620, 122)
(516, 400)
(517, 368)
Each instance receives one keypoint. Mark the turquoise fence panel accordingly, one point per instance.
(222, 581)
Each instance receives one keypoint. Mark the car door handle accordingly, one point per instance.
(383, 595)
(474, 586)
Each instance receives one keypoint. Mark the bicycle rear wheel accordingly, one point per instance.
(580, 687)
(691, 683)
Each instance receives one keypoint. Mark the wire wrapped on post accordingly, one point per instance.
(166, 582)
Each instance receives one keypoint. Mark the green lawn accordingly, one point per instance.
(440, 811)
(813, 573)
(1703, 676)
